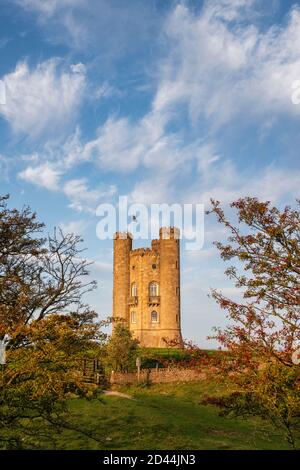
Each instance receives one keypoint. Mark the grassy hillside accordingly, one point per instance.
(162, 417)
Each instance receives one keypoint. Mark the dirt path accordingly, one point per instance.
(117, 394)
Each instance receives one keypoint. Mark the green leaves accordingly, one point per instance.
(121, 349)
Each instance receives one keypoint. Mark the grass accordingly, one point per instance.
(165, 416)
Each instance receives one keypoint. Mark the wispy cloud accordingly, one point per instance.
(51, 176)
(219, 67)
(222, 66)
(5, 163)
(43, 99)
(42, 175)
(84, 199)
(48, 8)
(77, 227)
(88, 24)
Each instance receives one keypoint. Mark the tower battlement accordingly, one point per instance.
(141, 252)
(122, 236)
(169, 233)
(146, 288)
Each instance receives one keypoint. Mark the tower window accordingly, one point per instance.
(133, 317)
(153, 289)
(154, 317)
(134, 291)
(153, 266)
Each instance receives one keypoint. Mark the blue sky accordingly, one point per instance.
(160, 100)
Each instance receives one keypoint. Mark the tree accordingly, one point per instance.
(121, 349)
(39, 378)
(42, 283)
(38, 276)
(264, 329)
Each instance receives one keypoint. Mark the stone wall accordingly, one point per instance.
(158, 376)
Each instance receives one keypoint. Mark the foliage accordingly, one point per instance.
(189, 357)
(121, 351)
(42, 283)
(269, 393)
(38, 379)
(264, 328)
(38, 276)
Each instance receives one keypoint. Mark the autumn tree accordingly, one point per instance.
(38, 276)
(42, 283)
(264, 329)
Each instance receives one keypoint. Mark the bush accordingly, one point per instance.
(121, 351)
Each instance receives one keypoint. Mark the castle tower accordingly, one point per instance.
(170, 282)
(146, 291)
(122, 249)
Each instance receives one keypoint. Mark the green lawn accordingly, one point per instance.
(162, 417)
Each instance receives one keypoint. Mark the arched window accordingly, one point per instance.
(134, 291)
(154, 317)
(153, 289)
(133, 317)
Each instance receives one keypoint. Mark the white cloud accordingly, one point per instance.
(269, 184)
(31, 157)
(43, 99)
(117, 146)
(230, 10)
(95, 24)
(233, 293)
(84, 199)
(199, 257)
(77, 227)
(101, 266)
(5, 163)
(57, 18)
(50, 174)
(206, 156)
(47, 7)
(62, 155)
(124, 145)
(223, 182)
(106, 90)
(276, 184)
(222, 69)
(44, 175)
(152, 190)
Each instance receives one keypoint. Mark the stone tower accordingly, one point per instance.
(121, 286)
(146, 289)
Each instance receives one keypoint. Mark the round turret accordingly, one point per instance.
(122, 249)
